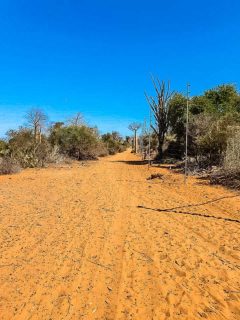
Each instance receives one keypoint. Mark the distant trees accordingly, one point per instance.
(35, 144)
(77, 120)
(36, 120)
(134, 126)
(114, 142)
(214, 119)
(161, 110)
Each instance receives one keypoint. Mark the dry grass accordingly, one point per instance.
(9, 166)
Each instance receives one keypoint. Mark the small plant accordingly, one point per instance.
(155, 176)
(9, 166)
(229, 175)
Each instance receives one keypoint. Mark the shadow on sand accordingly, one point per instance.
(176, 209)
(133, 162)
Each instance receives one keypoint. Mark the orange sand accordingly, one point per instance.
(75, 245)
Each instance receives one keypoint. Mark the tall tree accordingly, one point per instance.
(223, 99)
(134, 126)
(36, 119)
(161, 111)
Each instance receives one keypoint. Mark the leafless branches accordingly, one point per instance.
(134, 126)
(36, 119)
(161, 111)
(77, 120)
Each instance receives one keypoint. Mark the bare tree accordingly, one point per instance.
(161, 111)
(134, 126)
(77, 120)
(36, 119)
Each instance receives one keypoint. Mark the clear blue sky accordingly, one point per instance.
(96, 56)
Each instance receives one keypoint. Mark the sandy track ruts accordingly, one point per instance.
(87, 243)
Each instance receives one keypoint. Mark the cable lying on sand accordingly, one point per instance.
(191, 213)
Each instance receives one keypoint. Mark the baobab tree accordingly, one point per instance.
(134, 126)
(161, 110)
(36, 119)
(76, 120)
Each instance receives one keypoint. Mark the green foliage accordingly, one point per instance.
(177, 114)
(222, 99)
(177, 120)
(79, 142)
(209, 135)
(211, 116)
(53, 137)
(3, 147)
(199, 104)
(114, 142)
(25, 150)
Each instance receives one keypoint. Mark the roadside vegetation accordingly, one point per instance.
(214, 130)
(39, 143)
(213, 135)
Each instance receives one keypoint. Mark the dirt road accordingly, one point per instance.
(88, 243)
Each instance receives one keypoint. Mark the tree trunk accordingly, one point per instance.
(160, 148)
(40, 135)
(135, 141)
(35, 133)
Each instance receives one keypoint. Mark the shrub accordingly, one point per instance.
(232, 155)
(114, 143)
(228, 178)
(229, 175)
(25, 150)
(79, 142)
(3, 148)
(208, 136)
(102, 150)
(9, 166)
(54, 155)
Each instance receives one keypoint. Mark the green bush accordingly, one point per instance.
(209, 140)
(25, 150)
(3, 147)
(79, 142)
(114, 143)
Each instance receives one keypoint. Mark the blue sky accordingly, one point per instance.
(96, 56)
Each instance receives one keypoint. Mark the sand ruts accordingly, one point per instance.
(103, 242)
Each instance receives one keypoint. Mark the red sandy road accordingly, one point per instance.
(75, 245)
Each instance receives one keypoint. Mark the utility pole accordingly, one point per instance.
(149, 138)
(186, 140)
(143, 134)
